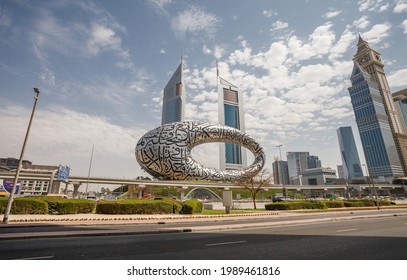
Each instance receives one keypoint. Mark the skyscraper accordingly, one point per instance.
(313, 162)
(400, 99)
(349, 154)
(230, 110)
(174, 98)
(280, 172)
(297, 162)
(376, 116)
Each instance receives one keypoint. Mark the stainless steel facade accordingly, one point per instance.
(165, 152)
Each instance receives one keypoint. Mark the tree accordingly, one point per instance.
(256, 183)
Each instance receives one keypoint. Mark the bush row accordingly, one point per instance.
(56, 205)
(24, 206)
(145, 206)
(294, 205)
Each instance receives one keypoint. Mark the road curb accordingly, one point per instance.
(84, 233)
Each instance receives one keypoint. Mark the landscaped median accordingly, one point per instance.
(304, 204)
(61, 206)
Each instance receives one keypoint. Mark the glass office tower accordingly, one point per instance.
(350, 158)
(373, 124)
(231, 114)
(380, 127)
(297, 162)
(174, 98)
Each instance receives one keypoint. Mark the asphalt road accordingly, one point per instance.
(358, 239)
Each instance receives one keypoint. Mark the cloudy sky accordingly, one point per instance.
(101, 67)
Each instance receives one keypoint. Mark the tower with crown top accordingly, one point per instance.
(382, 134)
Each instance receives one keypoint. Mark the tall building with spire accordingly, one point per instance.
(230, 110)
(381, 132)
(174, 98)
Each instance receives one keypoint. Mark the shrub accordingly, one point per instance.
(287, 205)
(191, 206)
(176, 205)
(334, 204)
(60, 205)
(24, 206)
(139, 206)
(74, 206)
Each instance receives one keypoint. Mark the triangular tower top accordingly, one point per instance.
(362, 44)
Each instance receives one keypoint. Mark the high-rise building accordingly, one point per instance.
(400, 99)
(280, 172)
(380, 129)
(349, 153)
(313, 162)
(297, 162)
(174, 98)
(230, 110)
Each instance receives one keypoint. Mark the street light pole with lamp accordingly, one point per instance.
(13, 189)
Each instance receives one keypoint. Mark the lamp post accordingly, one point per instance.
(20, 162)
(281, 170)
(367, 149)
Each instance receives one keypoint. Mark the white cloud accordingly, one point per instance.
(69, 137)
(319, 43)
(342, 45)
(217, 51)
(377, 33)
(160, 5)
(332, 14)
(401, 6)
(194, 20)
(373, 5)
(5, 18)
(269, 13)
(404, 26)
(398, 78)
(102, 38)
(278, 25)
(362, 22)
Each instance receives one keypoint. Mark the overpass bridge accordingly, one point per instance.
(78, 180)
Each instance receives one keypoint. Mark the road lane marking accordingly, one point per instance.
(226, 243)
(345, 230)
(38, 258)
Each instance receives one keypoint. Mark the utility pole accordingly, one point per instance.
(20, 162)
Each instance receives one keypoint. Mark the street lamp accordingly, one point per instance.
(20, 162)
(281, 170)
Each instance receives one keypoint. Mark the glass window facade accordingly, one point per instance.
(233, 151)
(349, 153)
(373, 124)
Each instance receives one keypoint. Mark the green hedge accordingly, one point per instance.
(135, 206)
(191, 206)
(60, 206)
(294, 205)
(24, 206)
(334, 204)
(286, 205)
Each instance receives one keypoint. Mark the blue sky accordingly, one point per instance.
(101, 67)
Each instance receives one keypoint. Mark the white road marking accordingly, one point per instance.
(345, 230)
(226, 243)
